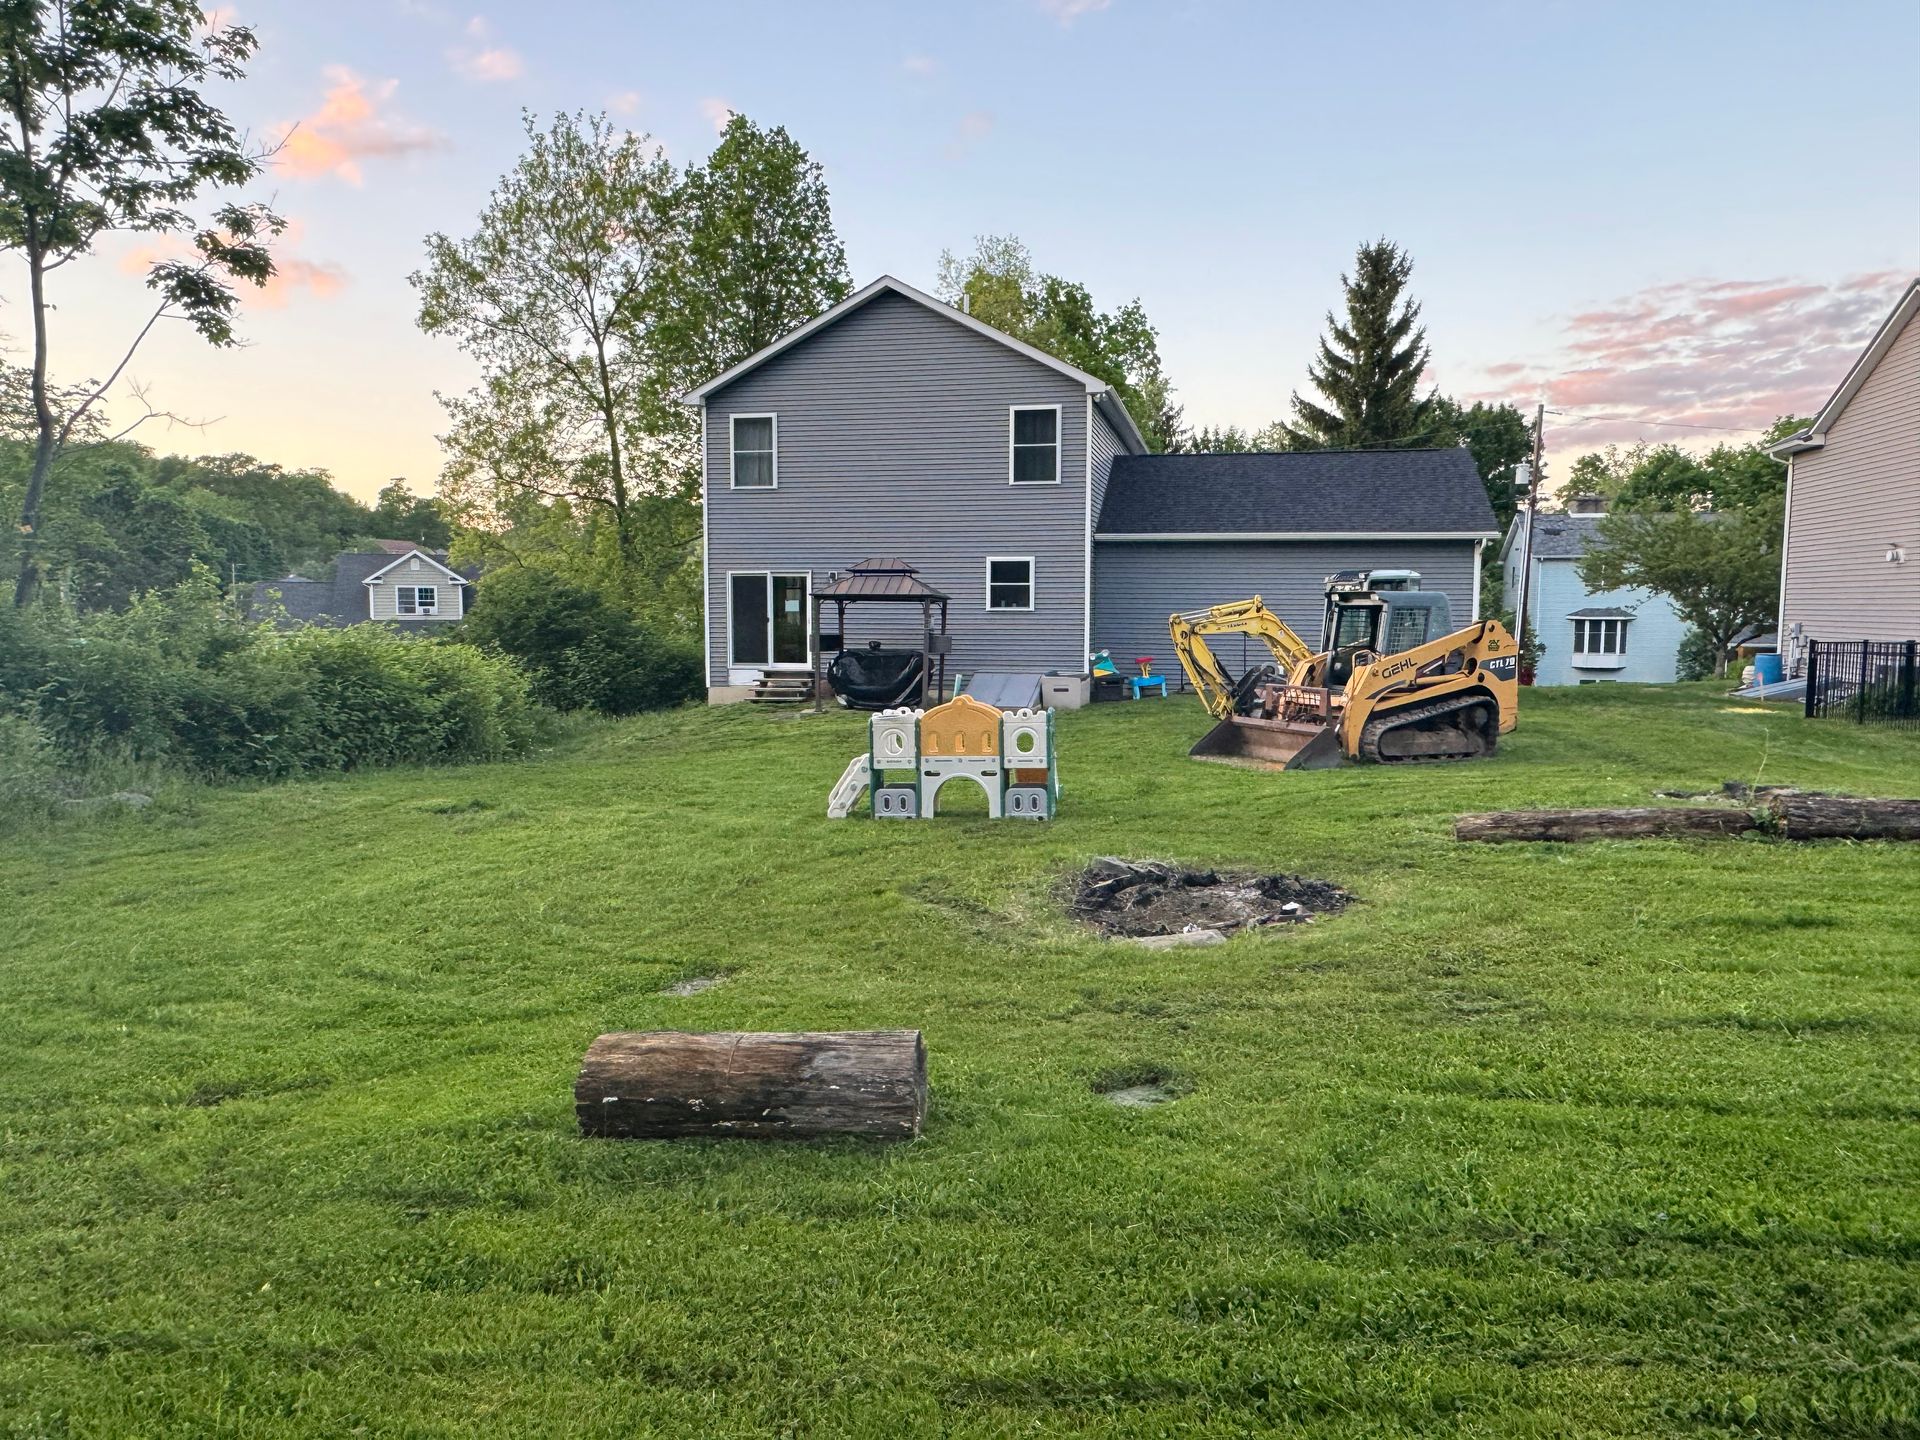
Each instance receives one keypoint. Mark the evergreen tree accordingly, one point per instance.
(1369, 367)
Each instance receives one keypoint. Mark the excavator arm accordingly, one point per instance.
(1242, 617)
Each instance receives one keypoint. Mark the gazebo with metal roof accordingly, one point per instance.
(887, 581)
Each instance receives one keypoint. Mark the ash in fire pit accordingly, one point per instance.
(1140, 898)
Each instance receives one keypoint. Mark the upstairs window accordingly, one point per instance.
(1035, 443)
(1599, 637)
(755, 452)
(417, 600)
(1009, 582)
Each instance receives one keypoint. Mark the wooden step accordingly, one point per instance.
(782, 690)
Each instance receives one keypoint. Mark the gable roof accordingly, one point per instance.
(1109, 403)
(454, 575)
(1296, 495)
(1815, 435)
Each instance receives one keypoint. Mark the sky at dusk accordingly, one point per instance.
(1685, 212)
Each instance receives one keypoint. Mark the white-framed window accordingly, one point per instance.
(416, 599)
(1599, 637)
(767, 619)
(1009, 582)
(756, 452)
(1033, 444)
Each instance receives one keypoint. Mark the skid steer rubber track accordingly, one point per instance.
(1435, 732)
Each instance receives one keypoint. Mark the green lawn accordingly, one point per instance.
(1614, 1139)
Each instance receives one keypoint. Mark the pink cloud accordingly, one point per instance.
(293, 273)
(349, 127)
(1730, 353)
(718, 112)
(484, 61)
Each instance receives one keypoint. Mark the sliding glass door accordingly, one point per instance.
(767, 618)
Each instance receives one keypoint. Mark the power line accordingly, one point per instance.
(1573, 419)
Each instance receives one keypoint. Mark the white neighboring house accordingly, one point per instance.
(1851, 552)
(404, 586)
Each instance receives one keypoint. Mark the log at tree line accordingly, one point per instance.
(667, 1084)
(1643, 822)
(1794, 816)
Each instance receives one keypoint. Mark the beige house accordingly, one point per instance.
(400, 585)
(1852, 547)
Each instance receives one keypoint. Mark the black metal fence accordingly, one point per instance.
(1863, 681)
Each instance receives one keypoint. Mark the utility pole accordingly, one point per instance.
(1533, 515)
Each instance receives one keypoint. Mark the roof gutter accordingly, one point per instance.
(1195, 536)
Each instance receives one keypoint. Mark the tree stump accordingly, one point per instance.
(665, 1084)
(1837, 817)
(1644, 822)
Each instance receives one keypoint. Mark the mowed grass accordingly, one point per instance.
(1615, 1139)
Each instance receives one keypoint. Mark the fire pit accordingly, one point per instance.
(1137, 899)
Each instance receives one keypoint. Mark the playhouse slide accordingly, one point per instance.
(848, 790)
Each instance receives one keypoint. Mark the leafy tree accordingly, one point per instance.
(1498, 436)
(399, 514)
(1601, 472)
(549, 297)
(120, 521)
(1369, 366)
(1002, 288)
(1726, 477)
(104, 128)
(757, 253)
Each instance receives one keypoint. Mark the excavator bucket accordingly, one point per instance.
(1271, 744)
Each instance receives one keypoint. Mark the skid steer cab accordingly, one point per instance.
(1392, 680)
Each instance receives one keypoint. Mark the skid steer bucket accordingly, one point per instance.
(1271, 744)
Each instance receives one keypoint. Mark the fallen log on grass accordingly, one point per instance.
(663, 1084)
(1639, 823)
(1807, 816)
(1794, 814)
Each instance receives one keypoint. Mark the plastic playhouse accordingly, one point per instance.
(912, 754)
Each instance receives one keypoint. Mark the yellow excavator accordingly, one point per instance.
(1392, 681)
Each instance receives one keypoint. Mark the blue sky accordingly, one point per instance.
(1680, 211)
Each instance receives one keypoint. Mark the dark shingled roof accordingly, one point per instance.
(1601, 612)
(1372, 492)
(1564, 537)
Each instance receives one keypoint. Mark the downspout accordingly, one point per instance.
(1786, 543)
(1086, 597)
(706, 560)
(1478, 574)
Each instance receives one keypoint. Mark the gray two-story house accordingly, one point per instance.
(897, 425)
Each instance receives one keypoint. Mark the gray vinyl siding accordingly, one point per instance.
(1849, 501)
(1106, 446)
(1137, 585)
(893, 441)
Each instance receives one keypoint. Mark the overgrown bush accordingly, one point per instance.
(177, 679)
(583, 651)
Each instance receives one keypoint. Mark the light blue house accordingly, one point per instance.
(1588, 635)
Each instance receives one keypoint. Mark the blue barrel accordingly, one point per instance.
(1768, 670)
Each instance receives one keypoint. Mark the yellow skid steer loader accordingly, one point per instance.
(1392, 681)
